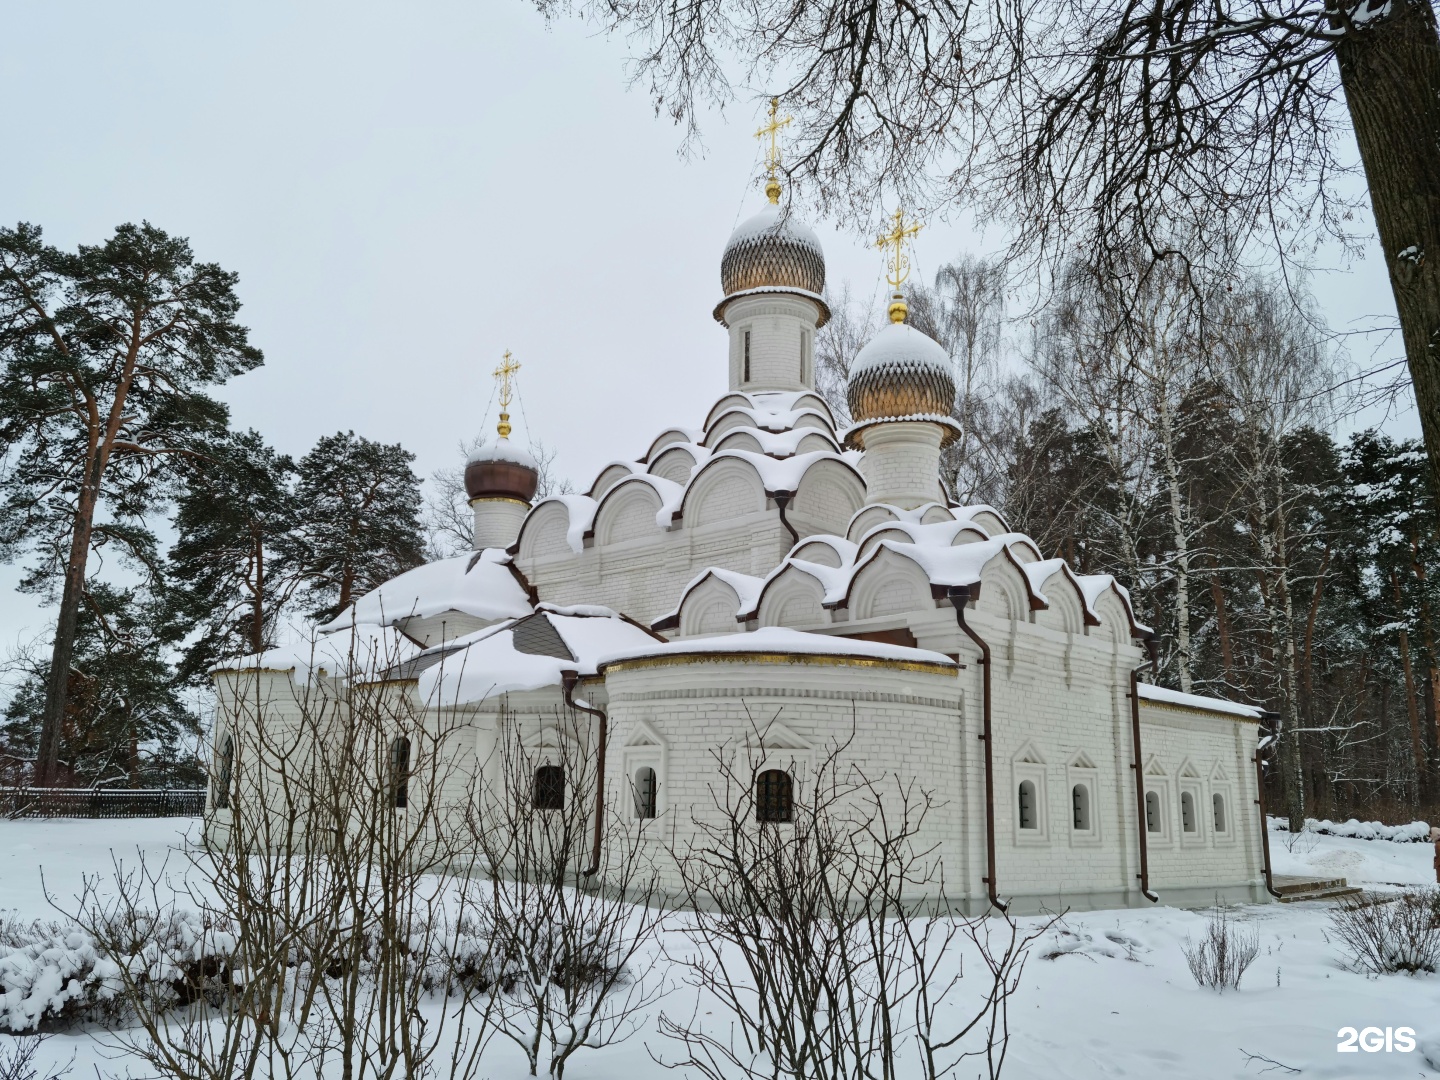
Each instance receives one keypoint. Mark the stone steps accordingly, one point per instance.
(1294, 890)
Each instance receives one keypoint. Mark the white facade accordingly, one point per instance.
(812, 585)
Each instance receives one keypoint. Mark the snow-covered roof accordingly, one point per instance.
(362, 652)
(777, 443)
(523, 654)
(767, 420)
(480, 584)
(781, 474)
(775, 639)
(1150, 692)
(746, 586)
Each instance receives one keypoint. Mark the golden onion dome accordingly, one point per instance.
(773, 250)
(902, 374)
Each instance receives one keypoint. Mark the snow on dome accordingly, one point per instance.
(504, 450)
(481, 585)
(901, 374)
(773, 248)
(900, 345)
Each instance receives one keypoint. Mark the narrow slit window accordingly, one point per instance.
(1028, 819)
(400, 773)
(1080, 802)
(1218, 802)
(646, 791)
(774, 796)
(747, 355)
(1152, 812)
(1187, 812)
(549, 790)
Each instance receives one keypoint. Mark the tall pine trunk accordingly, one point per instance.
(66, 626)
(1391, 74)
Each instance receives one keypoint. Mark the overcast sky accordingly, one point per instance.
(407, 190)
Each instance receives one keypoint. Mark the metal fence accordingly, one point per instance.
(101, 802)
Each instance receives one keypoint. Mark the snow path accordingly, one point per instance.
(1117, 1002)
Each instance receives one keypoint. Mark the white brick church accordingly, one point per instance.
(769, 565)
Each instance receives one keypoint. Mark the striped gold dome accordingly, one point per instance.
(901, 374)
(773, 249)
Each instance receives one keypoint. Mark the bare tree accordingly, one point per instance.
(852, 324)
(334, 930)
(965, 312)
(575, 903)
(1124, 352)
(813, 936)
(1272, 367)
(1107, 127)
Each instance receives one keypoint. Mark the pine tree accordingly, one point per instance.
(125, 721)
(358, 521)
(226, 580)
(105, 356)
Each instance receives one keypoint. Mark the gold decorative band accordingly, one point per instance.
(813, 659)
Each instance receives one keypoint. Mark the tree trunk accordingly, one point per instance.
(1416, 746)
(1180, 538)
(66, 624)
(257, 615)
(1222, 621)
(1391, 74)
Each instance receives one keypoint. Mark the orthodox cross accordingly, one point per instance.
(772, 152)
(503, 373)
(893, 244)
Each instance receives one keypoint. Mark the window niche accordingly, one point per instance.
(1083, 787)
(1030, 800)
(647, 792)
(774, 797)
(400, 773)
(549, 788)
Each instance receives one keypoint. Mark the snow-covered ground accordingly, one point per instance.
(1114, 999)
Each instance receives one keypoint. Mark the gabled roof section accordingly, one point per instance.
(479, 583)
(746, 586)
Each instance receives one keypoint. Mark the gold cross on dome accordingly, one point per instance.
(772, 152)
(897, 261)
(506, 369)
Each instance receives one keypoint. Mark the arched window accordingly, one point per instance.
(549, 793)
(400, 772)
(1152, 811)
(224, 768)
(1218, 802)
(1080, 802)
(646, 790)
(1028, 819)
(1187, 812)
(774, 796)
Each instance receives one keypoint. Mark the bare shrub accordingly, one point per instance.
(17, 1059)
(331, 899)
(1219, 959)
(576, 961)
(822, 934)
(1391, 935)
